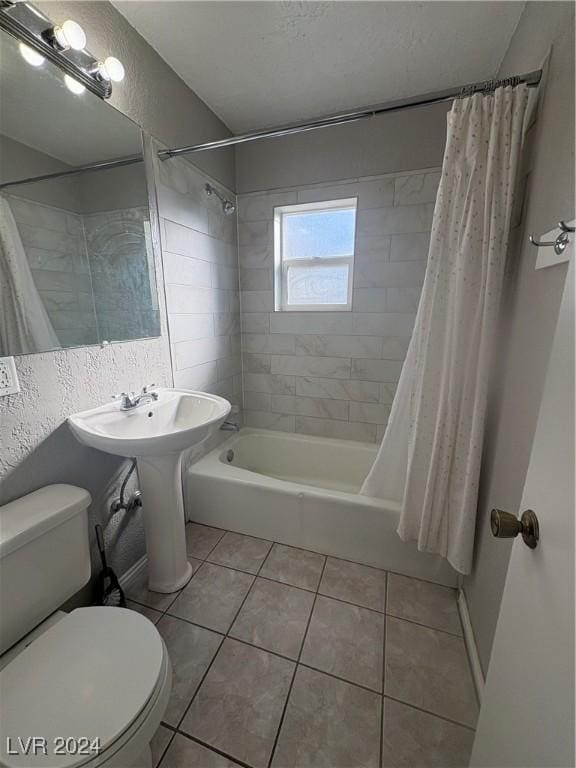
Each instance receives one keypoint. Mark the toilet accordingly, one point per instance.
(84, 688)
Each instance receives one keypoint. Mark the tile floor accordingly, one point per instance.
(286, 658)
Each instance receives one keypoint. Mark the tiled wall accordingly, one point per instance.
(335, 373)
(92, 271)
(54, 242)
(201, 281)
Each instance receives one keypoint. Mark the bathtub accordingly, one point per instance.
(304, 491)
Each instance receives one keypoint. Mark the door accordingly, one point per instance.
(527, 715)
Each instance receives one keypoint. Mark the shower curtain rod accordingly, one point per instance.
(103, 166)
(532, 79)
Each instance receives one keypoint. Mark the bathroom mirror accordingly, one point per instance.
(76, 259)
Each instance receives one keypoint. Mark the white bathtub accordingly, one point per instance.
(303, 491)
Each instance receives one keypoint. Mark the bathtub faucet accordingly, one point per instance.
(230, 426)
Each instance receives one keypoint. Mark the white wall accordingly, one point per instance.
(531, 304)
(398, 141)
(334, 374)
(19, 161)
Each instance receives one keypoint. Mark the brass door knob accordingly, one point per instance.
(505, 525)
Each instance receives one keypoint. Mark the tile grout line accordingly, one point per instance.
(211, 748)
(297, 664)
(306, 665)
(424, 626)
(224, 637)
(354, 605)
(429, 712)
(166, 748)
(165, 613)
(381, 763)
(188, 556)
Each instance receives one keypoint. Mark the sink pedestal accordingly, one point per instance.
(164, 525)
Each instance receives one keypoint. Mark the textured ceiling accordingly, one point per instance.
(259, 64)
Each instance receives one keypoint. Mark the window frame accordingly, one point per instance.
(281, 265)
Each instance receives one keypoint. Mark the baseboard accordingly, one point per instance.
(473, 656)
(133, 571)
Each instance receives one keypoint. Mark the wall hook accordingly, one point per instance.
(560, 243)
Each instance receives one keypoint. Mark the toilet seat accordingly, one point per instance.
(99, 673)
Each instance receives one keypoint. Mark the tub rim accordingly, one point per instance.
(213, 465)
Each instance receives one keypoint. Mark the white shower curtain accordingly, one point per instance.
(429, 460)
(24, 323)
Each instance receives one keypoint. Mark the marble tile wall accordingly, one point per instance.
(334, 374)
(54, 242)
(201, 281)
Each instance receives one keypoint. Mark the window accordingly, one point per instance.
(314, 256)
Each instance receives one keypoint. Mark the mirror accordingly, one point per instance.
(76, 259)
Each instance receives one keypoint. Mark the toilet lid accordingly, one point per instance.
(87, 677)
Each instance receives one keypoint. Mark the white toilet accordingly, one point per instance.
(86, 688)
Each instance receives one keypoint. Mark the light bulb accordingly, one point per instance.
(32, 57)
(70, 35)
(110, 69)
(114, 69)
(74, 85)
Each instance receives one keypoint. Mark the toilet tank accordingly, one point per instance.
(44, 556)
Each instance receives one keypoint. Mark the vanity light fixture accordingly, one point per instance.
(64, 44)
(69, 35)
(73, 85)
(33, 58)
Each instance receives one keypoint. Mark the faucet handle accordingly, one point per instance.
(125, 399)
(146, 391)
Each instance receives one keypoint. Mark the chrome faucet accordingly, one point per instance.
(129, 400)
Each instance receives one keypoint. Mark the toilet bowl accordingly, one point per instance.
(86, 688)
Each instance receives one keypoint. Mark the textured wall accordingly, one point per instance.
(201, 281)
(531, 304)
(335, 373)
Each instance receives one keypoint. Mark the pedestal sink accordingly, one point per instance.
(157, 434)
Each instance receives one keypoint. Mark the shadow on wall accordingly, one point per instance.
(60, 458)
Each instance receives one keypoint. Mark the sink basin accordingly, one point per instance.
(178, 420)
(157, 433)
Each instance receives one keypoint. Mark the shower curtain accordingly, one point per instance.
(429, 460)
(24, 323)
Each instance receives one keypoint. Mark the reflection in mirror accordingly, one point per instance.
(76, 259)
